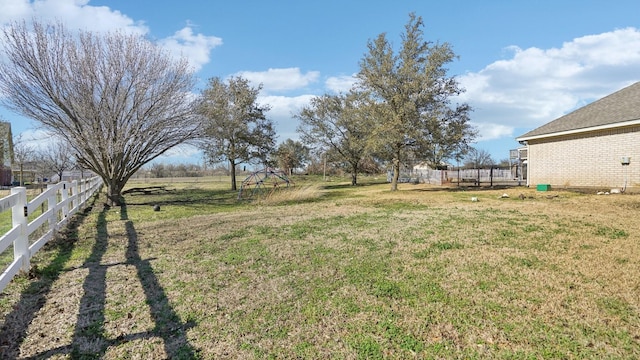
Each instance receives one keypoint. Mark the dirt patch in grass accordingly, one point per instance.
(345, 273)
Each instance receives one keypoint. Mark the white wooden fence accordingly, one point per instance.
(63, 200)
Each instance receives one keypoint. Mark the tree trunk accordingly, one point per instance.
(396, 174)
(232, 164)
(354, 175)
(114, 192)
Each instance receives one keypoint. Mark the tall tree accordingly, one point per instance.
(117, 99)
(339, 125)
(414, 90)
(291, 155)
(235, 126)
(6, 144)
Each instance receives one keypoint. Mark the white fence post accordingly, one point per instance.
(75, 192)
(83, 191)
(51, 205)
(19, 218)
(64, 194)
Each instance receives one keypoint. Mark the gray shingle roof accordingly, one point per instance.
(621, 106)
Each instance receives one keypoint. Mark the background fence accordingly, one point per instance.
(461, 176)
(33, 224)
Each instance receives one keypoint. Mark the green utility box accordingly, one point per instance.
(543, 187)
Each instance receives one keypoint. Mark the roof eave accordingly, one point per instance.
(523, 139)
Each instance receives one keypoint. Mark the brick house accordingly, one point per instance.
(597, 145)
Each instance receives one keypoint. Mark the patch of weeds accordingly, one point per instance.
(387, 288)
(506, 234)
(485, 285)
(264, 230)
(233, 235)
(615, 307)
(422, 254)
(529, 228)
(305, 350)
(445, 245)
(396, 206)
(301, 230)
(622, 261)
(366, 347)
(233, 257)
(430, 291)
(368, 243)
(313, 312)
(611, 233)
(404, 340)
(349, 305)
(417, 240)
(364, 271)
(529, 262)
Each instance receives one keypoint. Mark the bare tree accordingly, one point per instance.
(6, 143)
(23, 155)
(117, 99)
(477, 159)
(57, 158)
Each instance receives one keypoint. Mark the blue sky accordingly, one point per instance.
(523, 63)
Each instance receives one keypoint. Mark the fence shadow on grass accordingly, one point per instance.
(33, 298)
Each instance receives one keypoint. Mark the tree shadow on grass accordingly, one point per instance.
(89, 339)
(187, 197)
(33, 298)
(168, 325)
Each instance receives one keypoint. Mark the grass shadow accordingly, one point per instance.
(186, 197)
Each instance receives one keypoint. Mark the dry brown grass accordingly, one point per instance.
(341, 272)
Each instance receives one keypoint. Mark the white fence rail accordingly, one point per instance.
(62, 200)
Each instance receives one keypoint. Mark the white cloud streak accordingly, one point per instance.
(276, 80)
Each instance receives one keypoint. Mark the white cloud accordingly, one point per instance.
(534, 86)
(14, 9)
(340, 84)
(78, 14)
(282, 111)
(280, 79)
(491, 131)
(195, 47)
(75, 14)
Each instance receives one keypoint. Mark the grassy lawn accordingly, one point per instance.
(326, 270)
